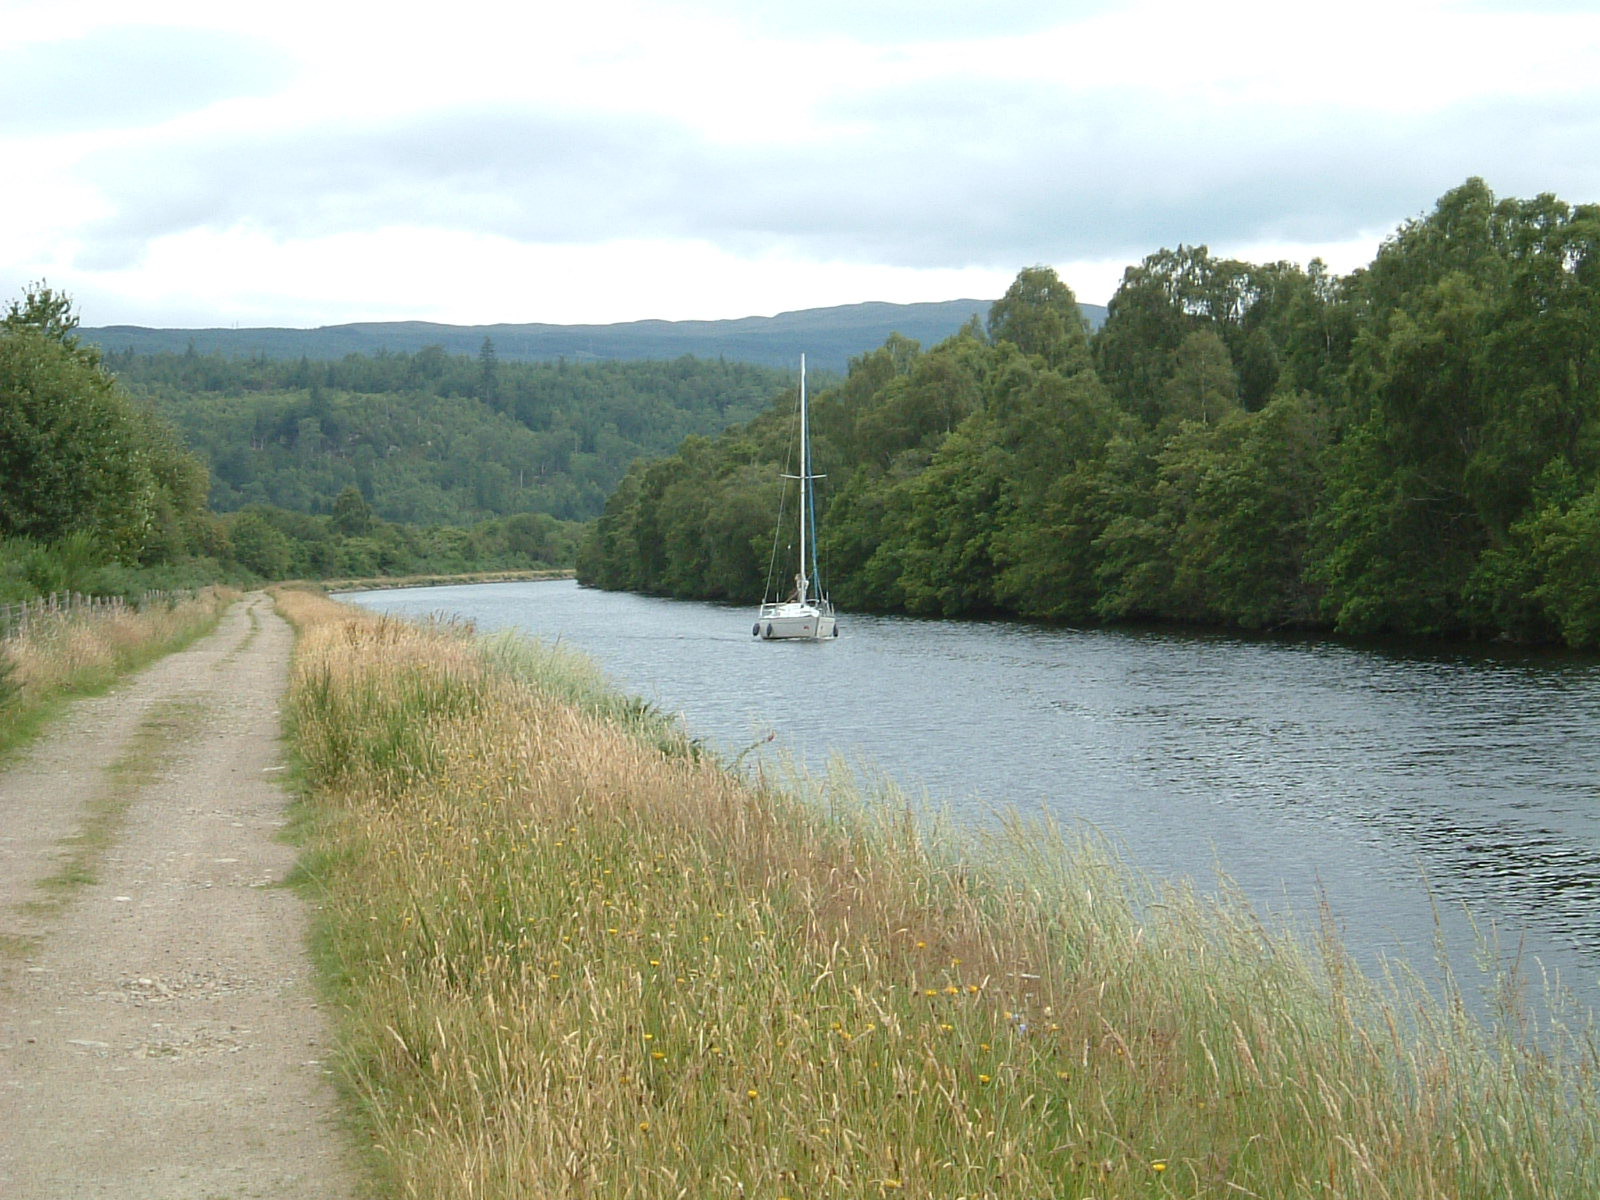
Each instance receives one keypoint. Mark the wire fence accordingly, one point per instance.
(17, 620)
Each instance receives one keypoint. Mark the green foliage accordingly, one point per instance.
(432, 438)
(77, 456)
(29, 568)
(1283, 327)
(10, 689)
(1473, 376)
(46, 311)
(1040, 316)
(273, 543)
(352, 515)
(1563, 557)
(260, 547)
(1413, 449)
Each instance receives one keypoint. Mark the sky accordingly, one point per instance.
(184, 163)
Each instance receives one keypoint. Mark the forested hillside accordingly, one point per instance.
(432, 438)
(383, 465)
(1411, 449)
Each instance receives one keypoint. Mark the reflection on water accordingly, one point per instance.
(1302, 769)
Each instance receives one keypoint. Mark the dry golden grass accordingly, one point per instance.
(573, 957)
(80, 653)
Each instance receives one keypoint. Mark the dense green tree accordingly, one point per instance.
(1039, 315)
(1412, 449)
(1202, 384)
(1565, 551)
(1053, 428)
(945, 554)
(48, 312)
(260, 546)
(76, 455)
(1473, 375)
(352, 515)
(1246, 541)
(489, 375)
(1280, 324)
(1159, 303)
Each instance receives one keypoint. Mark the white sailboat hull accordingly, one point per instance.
(795, 622)
(803, 617)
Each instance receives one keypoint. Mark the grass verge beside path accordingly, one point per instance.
(573, 957)
(74, 655)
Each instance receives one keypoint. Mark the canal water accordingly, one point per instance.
(1430, 797)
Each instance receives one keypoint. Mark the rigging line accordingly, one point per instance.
(783, 509)
(777, 535)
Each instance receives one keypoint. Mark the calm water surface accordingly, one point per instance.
(1406, 789)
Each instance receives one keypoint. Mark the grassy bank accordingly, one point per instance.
(384, 582)
(55, 658)
(572, 957)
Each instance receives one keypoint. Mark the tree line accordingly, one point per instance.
(1411, 449)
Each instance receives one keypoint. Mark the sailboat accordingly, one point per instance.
(802, 616)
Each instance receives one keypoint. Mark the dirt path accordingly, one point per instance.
(159, 1033)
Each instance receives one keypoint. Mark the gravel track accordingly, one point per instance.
(159, 1029)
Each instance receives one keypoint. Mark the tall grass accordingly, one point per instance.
(80, 653)
(575, 957)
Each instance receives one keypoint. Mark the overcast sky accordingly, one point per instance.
(311, 162)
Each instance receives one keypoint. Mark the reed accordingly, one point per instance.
(78, 653)
(573, 956)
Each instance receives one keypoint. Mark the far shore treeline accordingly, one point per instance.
(1412, 449)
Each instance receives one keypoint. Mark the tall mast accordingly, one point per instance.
(801, 581)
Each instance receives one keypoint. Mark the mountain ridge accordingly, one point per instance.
(829, 337)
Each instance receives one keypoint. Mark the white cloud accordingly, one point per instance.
(411, 273)
(721, 154)
(128, 76)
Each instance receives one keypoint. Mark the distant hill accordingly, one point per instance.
(829, 337)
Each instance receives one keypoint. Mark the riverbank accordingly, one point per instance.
(386, 582)
(573, 956)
